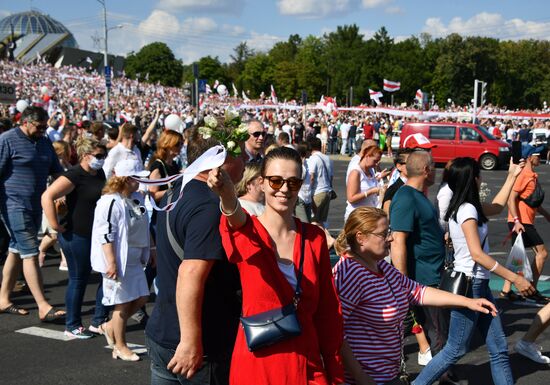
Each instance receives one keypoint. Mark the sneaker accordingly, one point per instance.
(531, 351)
(424, 358)
(79, 333)
(96, 330)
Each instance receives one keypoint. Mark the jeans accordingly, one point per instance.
(332, 145)
(461, 329)
(212, 372)
(77, 253)
(23, 226)
(351, 146)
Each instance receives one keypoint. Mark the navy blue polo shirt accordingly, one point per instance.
(25, 164)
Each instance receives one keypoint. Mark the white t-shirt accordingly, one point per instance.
(444, 197)
(305, 191)
(319, 164)
(366, 182)
(344, 130)
(353, 163)
(463, 260)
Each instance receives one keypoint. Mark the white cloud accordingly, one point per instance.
(233, 30)
(394, 10)
(262, 41)
(375, 3)
(198, 26)
(220, 6)
(490, 25)
(313, 8)
(4, 13)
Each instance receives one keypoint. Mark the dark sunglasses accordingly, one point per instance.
(276, 182)
(99, 156)
(257, 134)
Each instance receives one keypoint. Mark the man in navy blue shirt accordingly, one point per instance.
(27, 158)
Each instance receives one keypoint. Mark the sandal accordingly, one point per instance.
(12, 309)
(509, 295)
(53, 315)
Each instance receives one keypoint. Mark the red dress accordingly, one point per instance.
(313, 358)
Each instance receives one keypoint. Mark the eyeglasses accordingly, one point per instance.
(384, 235)
(277, 182)
(257, 134)
(99, 156)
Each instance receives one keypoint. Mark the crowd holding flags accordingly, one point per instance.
(391, 86)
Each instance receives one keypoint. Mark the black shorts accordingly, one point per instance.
(531, 237)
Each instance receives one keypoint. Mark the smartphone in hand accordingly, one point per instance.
(516, 151)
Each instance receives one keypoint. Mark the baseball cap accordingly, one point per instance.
(528, 150)
(417, 141)
(130, 167)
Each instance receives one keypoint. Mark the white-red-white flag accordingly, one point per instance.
(235, 92)
(216, 84)
(375, 95)
(419, 95)
(245, 98)
(208, 89)
(273, 95)
(391, 86)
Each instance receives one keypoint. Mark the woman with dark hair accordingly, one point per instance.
(467, 218)
(375, 299)
(267, 252)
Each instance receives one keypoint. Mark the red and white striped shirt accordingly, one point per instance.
(374, 307)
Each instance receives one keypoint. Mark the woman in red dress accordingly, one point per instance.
(266, 250)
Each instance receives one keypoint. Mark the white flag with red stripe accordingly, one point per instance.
(216, 84)
(273, 95)
(245, 98)
(419, 95)
(375, 95)
(235, 92)
(391, 86)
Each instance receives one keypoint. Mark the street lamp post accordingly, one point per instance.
(106, 57)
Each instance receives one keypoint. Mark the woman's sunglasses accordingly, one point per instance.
(99, 156)
(276, 182)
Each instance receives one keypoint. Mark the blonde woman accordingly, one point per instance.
(376, 296)
(120, 250)
(249, 189)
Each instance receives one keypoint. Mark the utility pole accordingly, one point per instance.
(106, 57)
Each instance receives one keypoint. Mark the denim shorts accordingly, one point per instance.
(23, 228)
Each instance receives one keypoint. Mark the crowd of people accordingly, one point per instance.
(225, 218)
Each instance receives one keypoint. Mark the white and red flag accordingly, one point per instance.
(391, 86)
(273, 95)
(216, 84)
(245, 98)
(208, 89)
(419, 95)
(235, 92)
(375, 95)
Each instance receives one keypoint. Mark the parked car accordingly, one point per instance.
(455, 140)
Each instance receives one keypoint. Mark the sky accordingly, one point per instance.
(196, 28)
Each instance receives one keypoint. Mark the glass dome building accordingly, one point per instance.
(36, 34)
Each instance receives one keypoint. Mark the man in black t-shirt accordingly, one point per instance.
(192, 330)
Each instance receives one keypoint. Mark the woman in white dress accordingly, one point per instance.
(362, 186)
(120, 250)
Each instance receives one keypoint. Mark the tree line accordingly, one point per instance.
(517, 72)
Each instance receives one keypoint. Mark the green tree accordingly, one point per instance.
(258, 74)
(157, 60)
(311, 72)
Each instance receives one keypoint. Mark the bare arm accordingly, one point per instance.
(59, 188)
(147, 134)
(110, 259)
(220, 183)
(399, 251)
(353, 367)
(353, 188)
(441, 298)
(469, 227)
(500, 200)
(155, 191)
(513, 202)
(386, 207)
(192, 275)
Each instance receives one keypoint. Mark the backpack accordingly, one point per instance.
(536, 198)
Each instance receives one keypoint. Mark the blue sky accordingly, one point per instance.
(195, 28)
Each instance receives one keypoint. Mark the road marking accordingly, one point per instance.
(43, 332)
(136, 348)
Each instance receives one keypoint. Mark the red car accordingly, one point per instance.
(456, 140)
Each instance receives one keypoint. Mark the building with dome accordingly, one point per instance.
(35, 34)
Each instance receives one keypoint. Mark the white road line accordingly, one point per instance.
(136, 348)
(43, 332)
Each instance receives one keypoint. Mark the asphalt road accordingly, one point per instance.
(31, 359)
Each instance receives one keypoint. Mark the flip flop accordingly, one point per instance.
(12, 309)
(52, 315)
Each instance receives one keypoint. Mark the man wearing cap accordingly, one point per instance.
(26, 159)
(254, 145)
(412, 142)
(522, 209)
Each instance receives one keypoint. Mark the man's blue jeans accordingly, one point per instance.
(77, 253)
(210, 373)
(461, 329)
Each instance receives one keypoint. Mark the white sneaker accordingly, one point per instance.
(424, 358)
(531, 351)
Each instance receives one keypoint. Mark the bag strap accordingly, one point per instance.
(298, 291)
(175, 245)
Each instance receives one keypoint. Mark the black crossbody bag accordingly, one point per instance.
(272, 326)
(457, 282)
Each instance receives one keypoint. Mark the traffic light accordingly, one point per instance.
(483, 93)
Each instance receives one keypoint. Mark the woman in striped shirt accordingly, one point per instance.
(375, 299)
